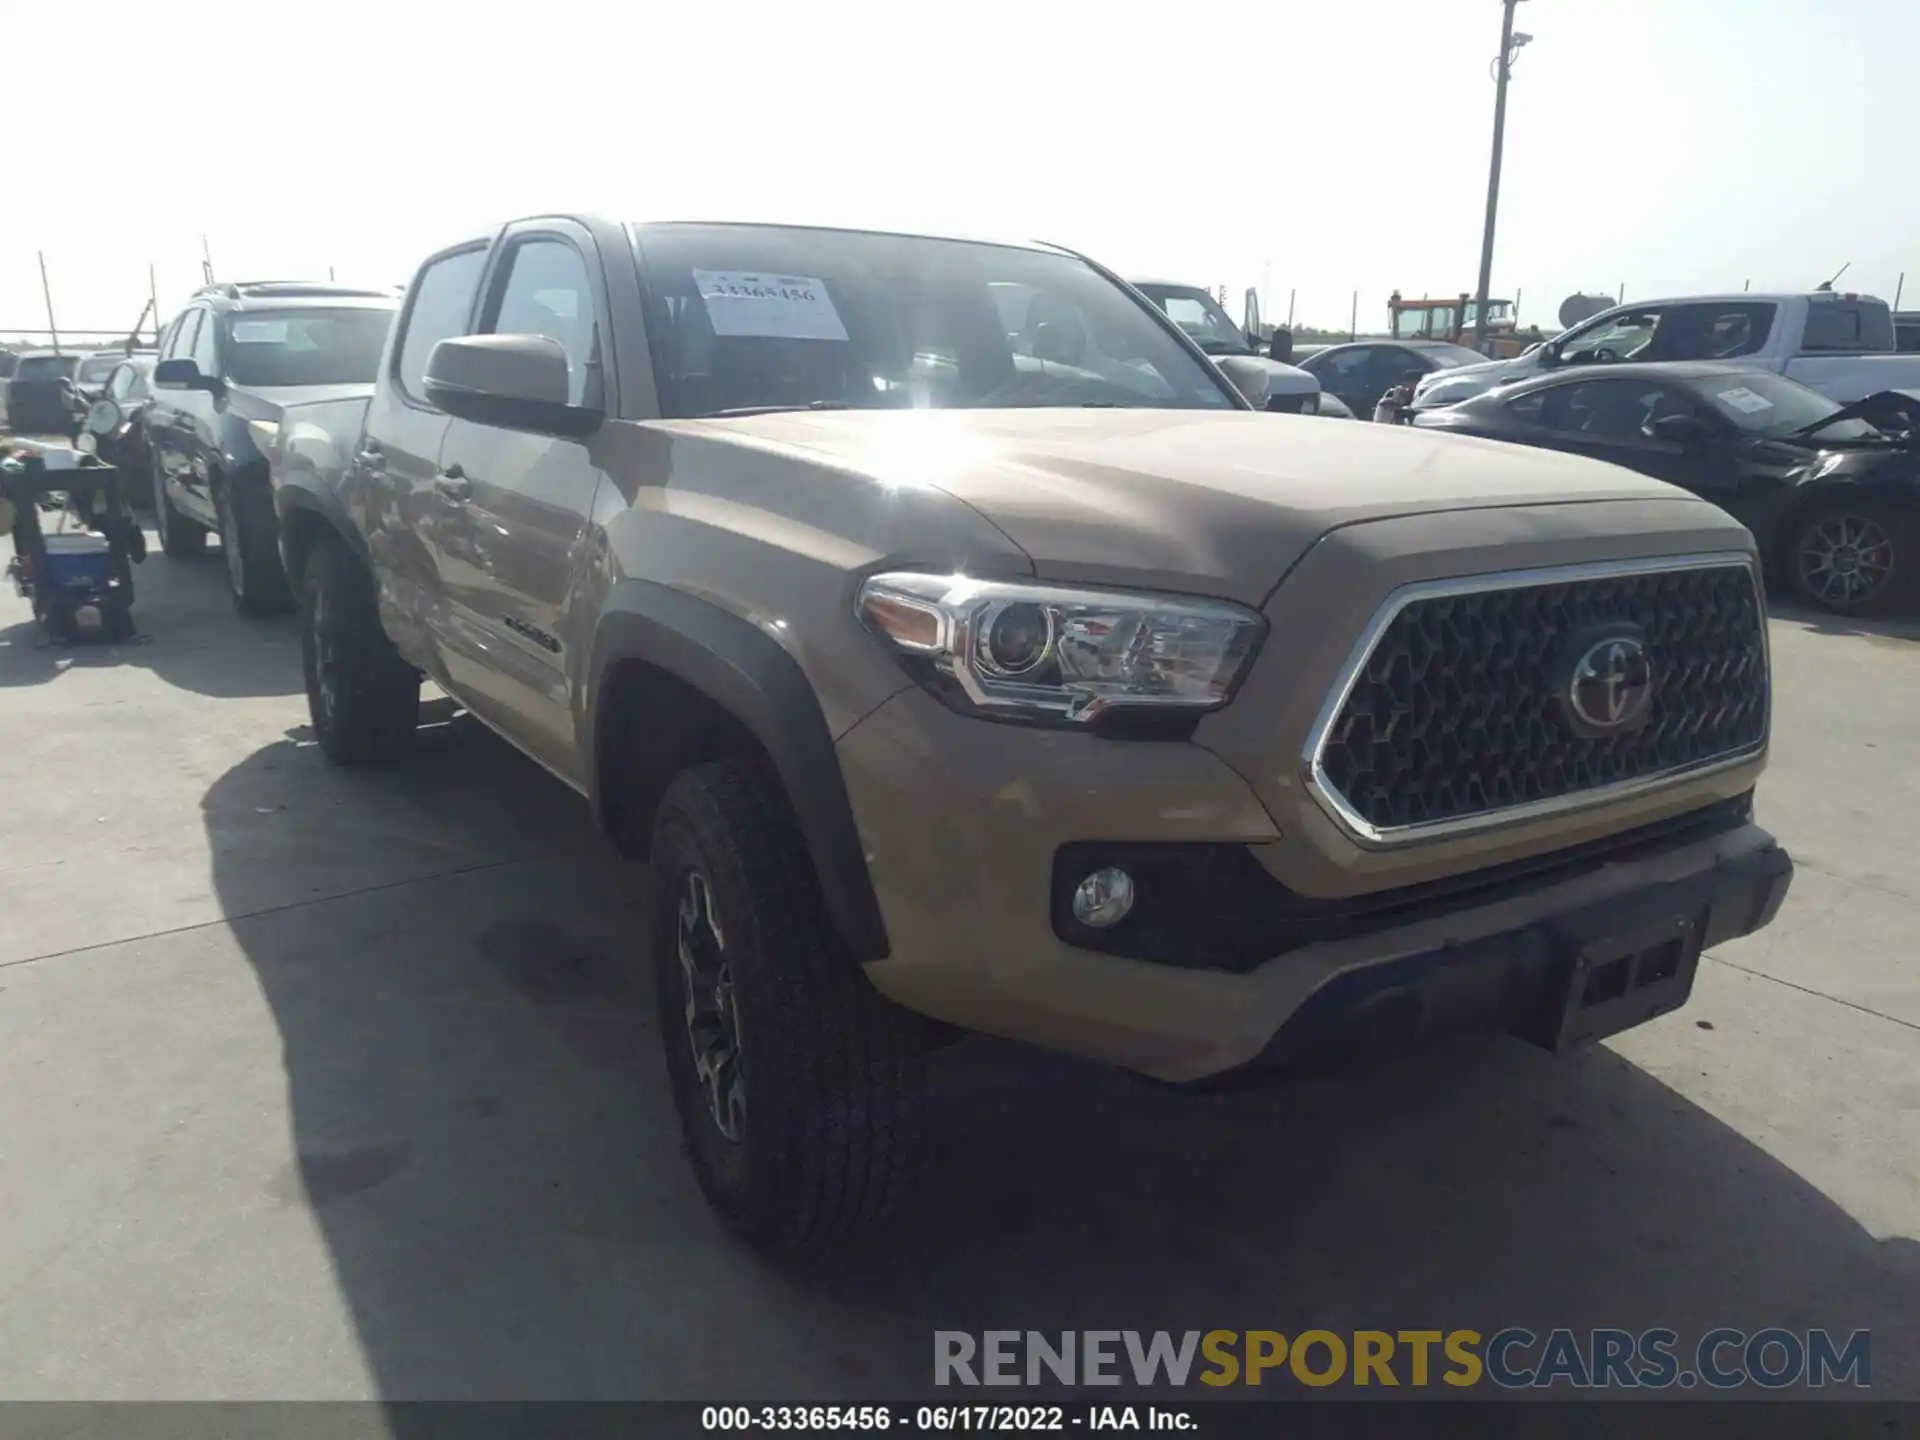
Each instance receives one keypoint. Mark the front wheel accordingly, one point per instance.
(1850, 556)
(256, 578)
(800, 1089)
(179, 536)
(363, 698)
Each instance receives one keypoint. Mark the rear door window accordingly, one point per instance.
(184, 335)
(1726, 330)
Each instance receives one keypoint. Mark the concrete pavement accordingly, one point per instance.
(317, 1085)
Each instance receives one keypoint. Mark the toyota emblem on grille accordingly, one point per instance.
(1611, 688)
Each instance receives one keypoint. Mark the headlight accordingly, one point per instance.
(1039, 652)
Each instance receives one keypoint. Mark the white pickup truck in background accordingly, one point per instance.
(1839, 345)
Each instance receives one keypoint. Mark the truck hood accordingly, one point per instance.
(1884, 404)
(1215, 503)
(265, 402)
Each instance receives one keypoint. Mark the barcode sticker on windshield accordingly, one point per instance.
(1745, 401)
(782, 307)
(259, 332)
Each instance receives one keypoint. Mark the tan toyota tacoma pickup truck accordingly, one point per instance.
(946, 667)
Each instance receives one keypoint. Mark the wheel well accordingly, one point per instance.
(651, 726)
(301, 531)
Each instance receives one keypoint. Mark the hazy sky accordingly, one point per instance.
(1323, 146)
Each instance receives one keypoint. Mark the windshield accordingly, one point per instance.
(268, 348)
(43, 368)
(1200, 315)
(1770, 407)
(1446, 357)
(751, 317)
(96, 368)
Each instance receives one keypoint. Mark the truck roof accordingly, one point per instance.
(1737, 296)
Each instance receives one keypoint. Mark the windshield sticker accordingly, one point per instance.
(259, 332)
(1745, 401)
(780, 307)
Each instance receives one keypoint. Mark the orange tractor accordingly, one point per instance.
(1453, 320)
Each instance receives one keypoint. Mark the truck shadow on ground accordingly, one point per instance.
(188, 637)
(484, 1139)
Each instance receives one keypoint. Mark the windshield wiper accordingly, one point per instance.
(778, 409)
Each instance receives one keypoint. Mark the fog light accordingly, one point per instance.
(1104, 898)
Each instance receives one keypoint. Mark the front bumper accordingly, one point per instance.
(962, 821)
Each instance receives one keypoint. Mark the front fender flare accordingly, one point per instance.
(757, 682)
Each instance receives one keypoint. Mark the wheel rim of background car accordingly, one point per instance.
(1845, 558)
(713, 1020)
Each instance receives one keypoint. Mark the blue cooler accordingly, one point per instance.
(78, 562)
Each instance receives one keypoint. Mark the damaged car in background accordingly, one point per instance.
(1831, 492)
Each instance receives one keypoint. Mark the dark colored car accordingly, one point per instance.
(228, 367)
(1832, 500)
(1362, 372)
(40, 397)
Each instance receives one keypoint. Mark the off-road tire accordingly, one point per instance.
(1894, 523)
(371, 712)
(179, 536)
(834, 1126)
(256, 577)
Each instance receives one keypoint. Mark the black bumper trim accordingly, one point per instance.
(1518, 981)
(1216, 907)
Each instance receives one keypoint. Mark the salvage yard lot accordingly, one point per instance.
(329, 1085)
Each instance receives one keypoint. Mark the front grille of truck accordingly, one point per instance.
(1453, 715)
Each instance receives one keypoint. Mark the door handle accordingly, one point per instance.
(453, 483)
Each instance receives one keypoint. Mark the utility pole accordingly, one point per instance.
(53, 330)
(153, 299)
(1509, 46)
(206, 261)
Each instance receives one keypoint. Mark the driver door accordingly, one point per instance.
(1610, 420)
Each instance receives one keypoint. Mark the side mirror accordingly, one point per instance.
(518, 382)
(102, 419)
(1248, 376)
(1280, 347)
(1678, 430)
(181, 375)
